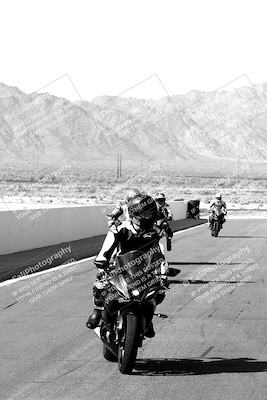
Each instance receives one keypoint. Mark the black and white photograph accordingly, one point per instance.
(133, 200)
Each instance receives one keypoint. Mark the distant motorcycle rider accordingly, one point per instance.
(164, 214)
(137, 233)
(220, 205)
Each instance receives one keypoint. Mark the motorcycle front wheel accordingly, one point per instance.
(129, 344)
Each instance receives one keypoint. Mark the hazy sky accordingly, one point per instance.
(109, 46)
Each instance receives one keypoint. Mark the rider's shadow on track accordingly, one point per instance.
(196, 263)
(187, 282)
(176, 366)
(242, 237)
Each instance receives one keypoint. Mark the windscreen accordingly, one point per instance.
(137, 271)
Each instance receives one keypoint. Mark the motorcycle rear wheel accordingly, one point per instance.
(128, 347)
(215, 228)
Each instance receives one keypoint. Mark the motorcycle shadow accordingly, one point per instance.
(196, 263)
(176, 366)
(187, 282)
(243, 237)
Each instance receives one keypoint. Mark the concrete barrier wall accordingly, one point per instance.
(29, 229)
(178, 209)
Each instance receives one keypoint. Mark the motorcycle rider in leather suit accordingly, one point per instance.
(219, 204)
(138, 233)
(164, 213)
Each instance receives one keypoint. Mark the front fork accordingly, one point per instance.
(112, 329)
(145, 314)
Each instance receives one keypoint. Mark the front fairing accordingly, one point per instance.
(136, 273)
(217, 213)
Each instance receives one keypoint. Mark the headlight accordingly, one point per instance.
(135, 292)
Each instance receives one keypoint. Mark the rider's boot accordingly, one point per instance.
(164, 270)
(94, 318)
(149, 333)
(210, 222)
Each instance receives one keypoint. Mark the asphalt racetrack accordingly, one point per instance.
(213, 345)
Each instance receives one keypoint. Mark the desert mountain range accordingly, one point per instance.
(193, 126)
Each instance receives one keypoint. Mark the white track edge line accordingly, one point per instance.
(23, 278)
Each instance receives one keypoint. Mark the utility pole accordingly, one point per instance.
(118, 155)
(119, 166)
(238, 170)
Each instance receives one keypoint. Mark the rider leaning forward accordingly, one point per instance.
(138, 232)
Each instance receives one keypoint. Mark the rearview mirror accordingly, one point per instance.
(172, 272)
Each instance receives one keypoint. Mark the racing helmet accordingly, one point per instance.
(160, 198)
(143, 211)
(218, 196)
